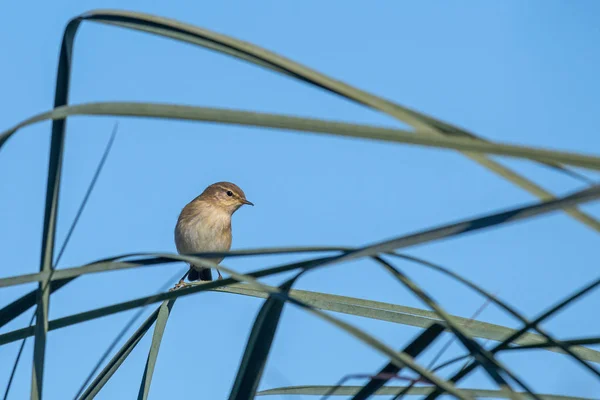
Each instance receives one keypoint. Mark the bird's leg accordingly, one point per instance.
(219, 275)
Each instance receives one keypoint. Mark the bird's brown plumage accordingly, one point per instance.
(204, 224)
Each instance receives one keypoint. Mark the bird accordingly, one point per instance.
(204, 225)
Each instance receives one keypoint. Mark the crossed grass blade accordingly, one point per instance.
(365, 308)
(559, 346)
(73, 26)
(316, 390)
(161, 322)
(65, 244)
(266, 59)
(118, 359)
(493, 367)
(398, 358)
(263, 58)
(259, 345)
(504, 344)
(445, 231)
(414, 348)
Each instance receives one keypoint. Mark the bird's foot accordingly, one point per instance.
(219, 277)
(179, 285)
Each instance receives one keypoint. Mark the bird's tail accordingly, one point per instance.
(205, 274)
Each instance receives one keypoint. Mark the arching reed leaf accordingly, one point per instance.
(493, 367)
(259, 345)
(367, 309)
(159, 329)
(558, 344)
(285, 122)
(397, 358)
(317, 390)
(118, 358)
(506, 342)
(414, 348)
(250, 53)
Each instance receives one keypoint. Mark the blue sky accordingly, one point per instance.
(510, 71)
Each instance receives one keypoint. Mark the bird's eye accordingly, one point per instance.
(229, 193)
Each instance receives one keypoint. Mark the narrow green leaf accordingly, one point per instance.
(352, 306)
(259, 345)
(416, 347)
(25, 302)
(118, 358)
(424, 124)
(558, 345)
(505, 343)
(159, 329)
(316, 390)
(227, 116)
(493, 367)
(410, 316)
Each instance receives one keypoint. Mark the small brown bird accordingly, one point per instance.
(204, 225)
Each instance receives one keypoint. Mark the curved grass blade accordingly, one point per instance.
(50, 215)
(119, 336)
(407, 316)
(559, 345)
(118, 358)
(159, 329)
(493, 367)
(316, 390)
(505, 343)
(366, 308)
(113, 263)
(261, 57)
(444, 231)
(498, 332)
(66, 243)
(432, 364)
(16, 363)
(266, 59)
(259, 345)
(25, 302)
(398, 358)
(416, 347)
(285, 122)
(360, 307)
(549, 345)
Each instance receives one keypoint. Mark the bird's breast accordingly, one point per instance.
(204, 232)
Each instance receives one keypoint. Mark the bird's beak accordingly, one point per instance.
(247, 202)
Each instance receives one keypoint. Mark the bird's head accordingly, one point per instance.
(225, 195)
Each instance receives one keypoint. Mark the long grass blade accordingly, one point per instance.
(259, 345)
(398, 358)
(285, 122)
(366, 308)
(347, 305)
(118, 358)
(118, 338)
(574, 353)
(493, 367)
(66, 243)
(316, 390)
(16, 363)
(506, 342)
(159, 330)
(429, 235)
(416, 347)
(266, 59)
(25, 302)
